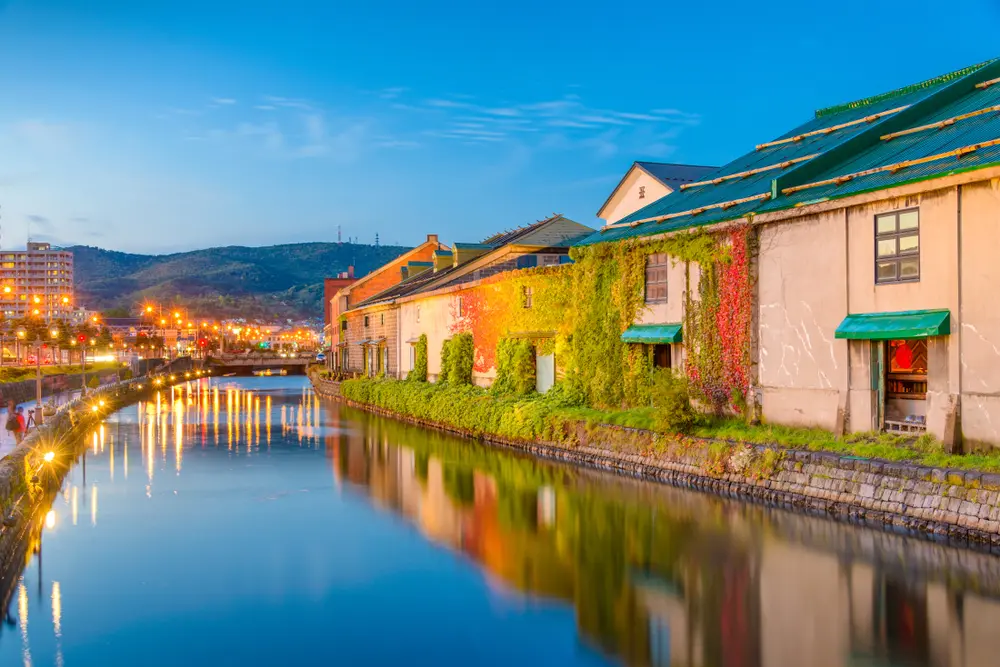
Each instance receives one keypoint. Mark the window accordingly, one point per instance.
(661, 356)
(656, 278)
(642, 192)
(413, 357)
(366, 321)
(527, 294)
(460, 304)
(382, 318)
(343, 325)
(418, 314)
(897, 247)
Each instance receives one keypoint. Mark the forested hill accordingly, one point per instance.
(269, 281)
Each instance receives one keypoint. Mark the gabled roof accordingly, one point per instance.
(930, 129)
(431, 240)
(674, 175)
(670, 175)
(512, 236)
(498, 245)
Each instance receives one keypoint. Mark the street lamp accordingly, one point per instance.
(22, 334)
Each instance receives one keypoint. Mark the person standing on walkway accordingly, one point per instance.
(11, 426)
(20, 427)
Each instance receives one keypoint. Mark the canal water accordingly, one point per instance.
(251, 523)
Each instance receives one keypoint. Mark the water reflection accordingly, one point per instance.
(644, 574)
(660, 576)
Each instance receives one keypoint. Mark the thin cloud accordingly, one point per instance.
(392, 92)
(397, 143)
(603, 120)
(637, 116)
(448, 104)
(560, 122)
(265, 107)
(289, 102)
(223, 100)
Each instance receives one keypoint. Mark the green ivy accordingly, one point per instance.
(419, 372)
(461, 357)
(515, 367)
(445, 374)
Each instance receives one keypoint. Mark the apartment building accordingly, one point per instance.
(36, 282)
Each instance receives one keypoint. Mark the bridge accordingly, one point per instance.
(248, 364)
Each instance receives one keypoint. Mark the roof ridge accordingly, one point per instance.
(913, 87)
(676, 164)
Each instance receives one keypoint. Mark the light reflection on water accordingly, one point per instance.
(268, 527)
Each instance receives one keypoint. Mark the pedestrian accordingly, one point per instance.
(21, 426)
(11, 425)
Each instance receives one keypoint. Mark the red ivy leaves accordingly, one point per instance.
(733, 316)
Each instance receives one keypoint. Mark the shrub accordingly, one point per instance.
(461, 357)
(672, 401)
(419, 372)
(94, 382)
(515, 367)
(126, 374)
(445, 371)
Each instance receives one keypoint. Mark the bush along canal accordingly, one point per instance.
(961, 505)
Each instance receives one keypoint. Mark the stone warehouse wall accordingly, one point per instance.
(923, 501)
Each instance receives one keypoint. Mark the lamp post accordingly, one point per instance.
(22, 334)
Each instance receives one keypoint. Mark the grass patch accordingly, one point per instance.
(19, 373)
(555, 416)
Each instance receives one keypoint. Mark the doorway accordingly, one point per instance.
(900, 366)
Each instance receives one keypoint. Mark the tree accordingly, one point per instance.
(104, 338)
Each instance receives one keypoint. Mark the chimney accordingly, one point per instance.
(404, 271)
(350, 271)
(432, 238)
(442, 260)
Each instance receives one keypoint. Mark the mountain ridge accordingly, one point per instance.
(277, 281)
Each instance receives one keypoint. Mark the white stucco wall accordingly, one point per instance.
(626, 201)
(802, 290)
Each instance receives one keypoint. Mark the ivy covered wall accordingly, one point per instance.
(514, 304)
(579, 311)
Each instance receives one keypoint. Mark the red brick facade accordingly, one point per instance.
(389, 274)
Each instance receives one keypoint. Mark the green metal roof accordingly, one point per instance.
(892, 326)
(841, 151)
(652, 333)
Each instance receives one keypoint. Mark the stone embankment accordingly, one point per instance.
(958, 505)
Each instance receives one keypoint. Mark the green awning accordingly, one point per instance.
(890, 326)
(652, 334)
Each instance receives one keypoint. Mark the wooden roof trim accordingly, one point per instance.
(694, 211)
(940, 124)
(751, 172)
(986, 84)
(834, 128)
(958, 152)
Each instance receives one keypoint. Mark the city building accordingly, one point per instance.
(36, 282)
(876, 227)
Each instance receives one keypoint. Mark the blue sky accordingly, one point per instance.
(155, 126)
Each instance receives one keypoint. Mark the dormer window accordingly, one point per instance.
(642, 192)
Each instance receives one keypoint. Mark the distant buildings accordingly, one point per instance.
(36, 282)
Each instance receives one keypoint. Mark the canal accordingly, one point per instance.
(249, 522)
